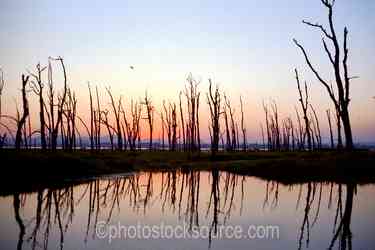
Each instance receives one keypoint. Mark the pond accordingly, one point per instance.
(190, 210)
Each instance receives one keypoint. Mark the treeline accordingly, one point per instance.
(60, 126)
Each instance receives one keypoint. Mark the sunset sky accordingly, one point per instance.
(245, 46)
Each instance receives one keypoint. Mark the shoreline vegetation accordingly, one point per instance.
(28, 171)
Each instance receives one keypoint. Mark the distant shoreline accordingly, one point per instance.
(30, 170)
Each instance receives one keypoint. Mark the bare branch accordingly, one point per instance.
(315, 72)
(319, 26)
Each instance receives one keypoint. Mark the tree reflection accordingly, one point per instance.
(178, 192)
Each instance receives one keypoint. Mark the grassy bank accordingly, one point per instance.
(32, 169)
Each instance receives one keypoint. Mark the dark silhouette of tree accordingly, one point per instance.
(342, 81)
(182, 123)
(192, 96)
(116, 112)
(25, 105)
(37, 86)
(60, 105)
(304, 100)
(214, 102)
(316, 128)
(150, 117)
(21, 225)
(1, 88)
(330, 127)
(244, 140)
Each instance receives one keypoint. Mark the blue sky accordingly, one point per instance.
(246, 46)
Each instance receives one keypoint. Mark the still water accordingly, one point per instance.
(100, 213)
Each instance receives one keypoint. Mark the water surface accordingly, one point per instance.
(308, 216)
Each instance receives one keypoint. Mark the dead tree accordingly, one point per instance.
(60, 106)
(171, 125)
(276, 128)
(25, 105)
(244, 140)
(116, 112)
(110, 128)
(132, 126)
(1, 87)
(150, 117)
(182, 123)
(317, 127)
(265, 108)
(342, 81)
(338, 124)
(91, 119)
(37, 87)
(232, 124)
(51, 101)
(304, 100)
(98, 119)
(299, 132)
(228, 144)
(330, 127)
(70, 113)
(214, 102)
(192, 96)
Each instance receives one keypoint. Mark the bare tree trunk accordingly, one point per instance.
(150, 118)
(338, 123)
(116, 112)
(182, 124)
(98, 124)
(244, 142)
(1, 88)
(25, 105)
(60, 106)
(37, 87)
(214, 102)
(304, 104)
(342, 82)
(91, 119)
(318, 135)
(330, 127)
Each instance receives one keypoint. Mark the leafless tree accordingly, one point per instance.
(91, 119)
(171, 124)
(25, 105)
(133, 126)
(192, 95)
(110, 128)
(304, 100)
(37, 86)
(182, 123)
(150, 117)
(232, 124)
(330, 127)
(98, 121)
(60, 105)
(338, 124)
(316, 126)
(214, 102)
(342, 81)
(266, 111)
(244, 140)
(1, 87)
(116, 112)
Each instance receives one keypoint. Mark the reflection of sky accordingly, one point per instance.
(283, 215)
(244, 45)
